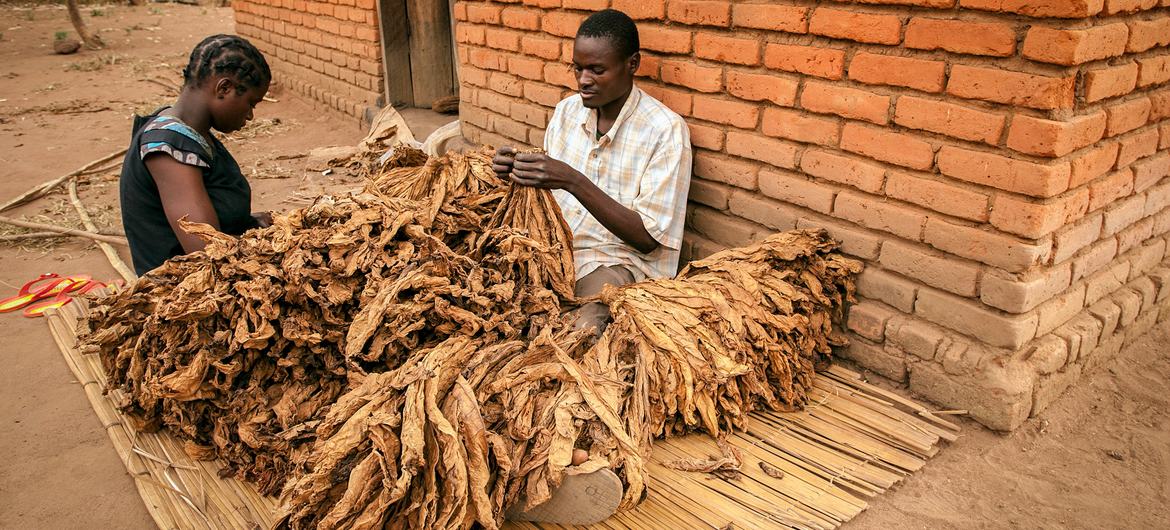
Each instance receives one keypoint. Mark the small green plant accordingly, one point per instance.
(30, 14)
(60, 35)
(156, 11)
(95, 12)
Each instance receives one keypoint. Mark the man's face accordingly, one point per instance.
(603, 74)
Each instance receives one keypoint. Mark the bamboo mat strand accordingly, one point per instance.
(853, 442)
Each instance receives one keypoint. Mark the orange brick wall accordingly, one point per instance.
(327, 51)
(999, 164)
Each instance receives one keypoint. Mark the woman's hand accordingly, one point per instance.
(542, 171)
(263, 219)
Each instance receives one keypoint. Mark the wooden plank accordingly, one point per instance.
(430, 51)
(395, 38)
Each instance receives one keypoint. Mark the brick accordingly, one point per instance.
(1075, 46)
(727, 49)
(526, 67)
(843, 169)
(792, 19)
(1127, 116)
(560, 74)
(860, 27)
(586, 5)
(984, 246)
(1159, 104)
(1153, 70)
(1012, 88)
(725, 111)
(854, 241)
(938, 196)
(961, 36)
(1130, 302)
(1051, 138)
(543, 94)
(1036, 219)
(722, 169)
(1108, 315)
(765, 211)
(711, 194)
(1060, 309)
(1146, 34)
(1146, 260)
(1112, 7)
(1092, 164)
(878, 214)
(483, 13)
(1105, 83)
(725, 229)
(649, 66)
(706, 137)
(693, 76)
(919, 74)
(1164, 131)
(520, 18)
(847, 102)
(468, 34)
(778, 153)
(797, 189)
(1022, 293)
(561, 23)
(914, 336)
(1040, 8)
(533, 115)
(488, 59)
(1137, 146)
(1134, 235)
(1113, 186)
(974, 319)
(1018, 176)
(1048, 354)
(1097, 257)
(700, 12)
(809, 60)
(877, 284)
(1149, 171)
(949, 119)
(889, 364)
(932, 268)
(1123, 214)
(762, 87)
(506, 84)
(680, 101)
(548, 49)
(888, 146)
(794, 125)
(508, 127)
(665, 40)
(869, 319)
(640, 9)
(1157, 199)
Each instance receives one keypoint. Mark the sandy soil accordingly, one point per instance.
(1099, 458)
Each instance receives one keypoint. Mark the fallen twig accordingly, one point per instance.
(29, 235)
(41, 189)
(111, 254)
(67, 231)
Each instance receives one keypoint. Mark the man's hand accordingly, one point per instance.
(542, 171)
(502, 162)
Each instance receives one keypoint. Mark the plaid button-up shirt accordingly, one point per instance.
(643, 162)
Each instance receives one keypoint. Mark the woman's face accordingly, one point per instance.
(232, 109)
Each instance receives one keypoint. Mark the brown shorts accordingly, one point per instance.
(596, 314)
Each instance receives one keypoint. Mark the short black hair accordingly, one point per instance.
(614, 25)
(227, 55)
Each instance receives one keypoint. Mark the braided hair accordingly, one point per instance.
(227, 55)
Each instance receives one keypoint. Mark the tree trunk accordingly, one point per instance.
(90, 40)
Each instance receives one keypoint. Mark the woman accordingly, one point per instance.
(176, 169)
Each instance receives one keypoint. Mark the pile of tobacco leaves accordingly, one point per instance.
(406, 357)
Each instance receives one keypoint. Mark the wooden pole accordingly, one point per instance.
(67, 231)
(47, 186)
(109, 251)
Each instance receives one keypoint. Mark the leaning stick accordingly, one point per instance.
(108, 250)
(67, 231)
(41, 189)
(29, 235)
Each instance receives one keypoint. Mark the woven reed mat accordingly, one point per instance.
(852, 443)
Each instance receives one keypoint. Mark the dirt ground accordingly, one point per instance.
(1099, 458)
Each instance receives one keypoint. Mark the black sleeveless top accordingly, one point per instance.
(152, 241)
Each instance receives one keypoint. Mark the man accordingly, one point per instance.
(619, 163)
